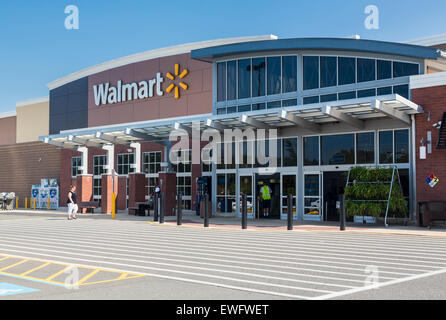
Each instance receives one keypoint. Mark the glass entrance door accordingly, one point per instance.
(312, 196)
(288, 187)
(246, 187)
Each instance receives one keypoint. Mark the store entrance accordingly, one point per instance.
(334, 185)
(273, 181)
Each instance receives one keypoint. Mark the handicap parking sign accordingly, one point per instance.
(7, 289)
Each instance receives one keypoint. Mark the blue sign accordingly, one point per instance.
(7, 289)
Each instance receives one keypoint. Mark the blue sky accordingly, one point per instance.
(36, 47)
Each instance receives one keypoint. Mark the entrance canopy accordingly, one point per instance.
(311, 117)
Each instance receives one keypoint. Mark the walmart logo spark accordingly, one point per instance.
(181, 84)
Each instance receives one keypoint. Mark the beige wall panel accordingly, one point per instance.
(32, 122)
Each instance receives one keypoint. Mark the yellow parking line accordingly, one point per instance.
(13, 265)
(58, 273)
(35, 269)
(88, 276)
(4, 258)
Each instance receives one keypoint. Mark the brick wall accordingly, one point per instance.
(23, 165)
(433, 100)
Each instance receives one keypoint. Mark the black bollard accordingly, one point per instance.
(179, 210)
(206, 211)
(155, 208)
(161, 209)
(244, 212)
(290, 212)
(342, 213)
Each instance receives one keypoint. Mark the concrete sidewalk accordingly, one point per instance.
(191, 220)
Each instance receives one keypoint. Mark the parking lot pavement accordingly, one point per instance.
(296, 265)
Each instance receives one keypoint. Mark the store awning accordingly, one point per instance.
(353, 113)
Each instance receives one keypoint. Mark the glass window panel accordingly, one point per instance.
(289, 103)
(338, 149)
(221, 81)
(244, 78)
(231, 184)
(403, 69)
(365, 148)
(401, 146)
(347, 70)
(289, 65)
(328, 72)
(311, 151)
(221, 111)
(384, 90)
(311, 72)
(347, 95)
(274, 104)
(402, 90)
(232, 80)
(258, 77)
(290, 152)
(231, 110)
(258, 106)
(366, 93)
(384, 69)
(329, 97)
(310, 100)
(366, 70)
(273, 75)
(245, 108)
(311, 185)
(386, 147)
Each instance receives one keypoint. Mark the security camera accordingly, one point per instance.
(437, 125)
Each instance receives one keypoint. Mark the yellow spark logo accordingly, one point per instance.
(181, 84)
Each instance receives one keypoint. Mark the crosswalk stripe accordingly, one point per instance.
(231, 258)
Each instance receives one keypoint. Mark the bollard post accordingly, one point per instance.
(290, 212)
(16, 203)
(161, 209)
(34, 204)
(244, 212)
(113, 206)
(206, 211)
(156, 208)
(342, 213)
(26, 203)
(48, 204)
(179, 210)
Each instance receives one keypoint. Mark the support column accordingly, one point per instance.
(110, 157)
(84, 189)
(137, 164)
(84, 152)
(168, 184)
(137, 188)
(107, 191)
(121, 197)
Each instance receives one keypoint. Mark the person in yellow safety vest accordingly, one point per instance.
(265, 193)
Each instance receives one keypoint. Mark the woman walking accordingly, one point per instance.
(72, 203)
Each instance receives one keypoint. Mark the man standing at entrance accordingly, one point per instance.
(265, 193)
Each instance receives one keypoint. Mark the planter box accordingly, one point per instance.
(367, 219)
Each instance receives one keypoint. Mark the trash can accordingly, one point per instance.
(420, 213)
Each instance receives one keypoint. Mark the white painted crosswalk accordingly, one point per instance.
(297, 265)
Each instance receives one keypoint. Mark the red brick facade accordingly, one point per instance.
(433, 101)
(84, 189)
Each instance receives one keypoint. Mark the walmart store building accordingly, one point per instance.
(336, 103)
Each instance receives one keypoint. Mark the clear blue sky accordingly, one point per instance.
(36, 48)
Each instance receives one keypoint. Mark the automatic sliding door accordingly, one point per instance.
(312, 196)
(288, 187)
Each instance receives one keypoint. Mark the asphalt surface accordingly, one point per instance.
(170, 262)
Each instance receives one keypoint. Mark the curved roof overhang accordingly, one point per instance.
(210, 54)
(311, 117)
